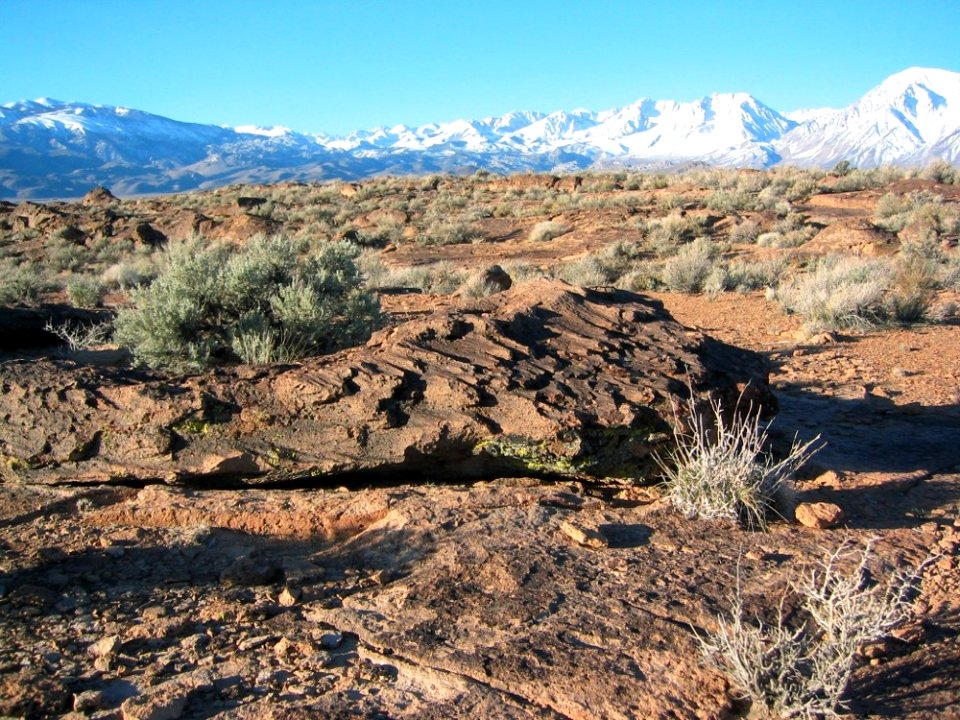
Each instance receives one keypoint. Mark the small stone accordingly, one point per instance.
(153, 612)
(254, 642)
(88, 700)
(900, 372)
(877, 649)
(819, 515)
(289, 597)
(166, 701)
(331, 641)
(910, 634)
(586, 536)
(105, 647)
(57, 579)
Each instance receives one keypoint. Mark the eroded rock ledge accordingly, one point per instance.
(545, 379)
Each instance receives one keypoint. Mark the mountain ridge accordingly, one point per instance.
(57, 149)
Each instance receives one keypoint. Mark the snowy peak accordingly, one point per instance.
(918, 99)
(53, 148)
(910, 118)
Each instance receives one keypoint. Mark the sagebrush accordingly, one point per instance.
(264, 303)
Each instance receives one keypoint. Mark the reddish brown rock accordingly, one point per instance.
(98, 196)
(546, 379)
(852, 237)
(820, 515)
(584, 534)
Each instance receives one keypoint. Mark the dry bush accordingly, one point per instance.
(77, 336)
(688, 270)
(547, 230)
(840, 293)
(800, 664)
(449, 232)
(719, 469)
(744, 277)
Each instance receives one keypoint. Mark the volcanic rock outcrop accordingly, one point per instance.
(545, 379)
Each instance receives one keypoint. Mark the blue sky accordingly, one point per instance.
(336, 66)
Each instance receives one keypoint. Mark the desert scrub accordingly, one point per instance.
(894, 212)
(547, 230)
(687, 271)
(840, 293)
(438, 277)
(719, 468)
(745, 232)
(667, 233)
(263, 303)
(744, 277)
(84, 291)
(604, 267)
(449, 233)
(799, 664)
(19, 285)
(730, 202)
(129, 274)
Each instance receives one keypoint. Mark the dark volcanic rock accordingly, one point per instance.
(545, 379)
(145, 233)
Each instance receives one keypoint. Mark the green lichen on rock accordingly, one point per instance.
(191, 426)
(609, 452)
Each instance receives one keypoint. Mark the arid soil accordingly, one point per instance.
(526, 595)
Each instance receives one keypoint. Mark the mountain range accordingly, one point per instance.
(51, 149)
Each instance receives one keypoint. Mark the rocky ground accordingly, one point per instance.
(213, 579)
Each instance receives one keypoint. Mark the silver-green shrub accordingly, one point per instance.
(263, 303)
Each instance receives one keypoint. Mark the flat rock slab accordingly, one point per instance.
(545, 378)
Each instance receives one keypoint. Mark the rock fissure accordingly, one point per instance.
(389, 656)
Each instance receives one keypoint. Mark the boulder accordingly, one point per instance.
(145, 233)
(98, 196)
(36, 216)
(852, 237)
(545, 379)
(242, 227)
(495, 278)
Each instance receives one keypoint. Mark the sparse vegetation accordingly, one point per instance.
(19, 285)
(720, 469)
(547, 230)
(799, 665)
(840, 293)
(85, 292)
(688, 270)
(77, 336)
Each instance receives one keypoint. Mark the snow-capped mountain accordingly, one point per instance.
(910, 118)
(56, 149)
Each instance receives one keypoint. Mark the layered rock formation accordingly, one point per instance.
(545, 379)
